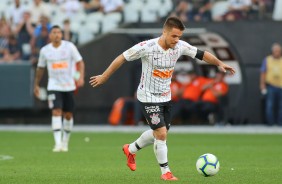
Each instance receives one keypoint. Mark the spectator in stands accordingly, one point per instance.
(71, 7)
(193, 10)
(91, 6)
(68, 35)
(126, 111)
(238, 10)
(38, 8)
(200, 10)
(40, 37)
(176, 88)
(110, 6)
(190, 95)
(15, 13)
(257, 9)
(24, 30)
(13, 51)
(181, 10)
(4, 34)
(271, 85)
(214, 92)
(131, 104)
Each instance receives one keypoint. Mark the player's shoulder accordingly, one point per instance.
(67, 43)
(182, 43)
(46, 48)
(148, 43)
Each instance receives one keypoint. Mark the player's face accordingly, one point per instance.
(172, 37)
(56, 35)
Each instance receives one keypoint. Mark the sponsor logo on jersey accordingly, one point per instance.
(164, 74)
(161, 94)
(60, 65)
(138, 52)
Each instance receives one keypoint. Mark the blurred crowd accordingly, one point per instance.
(230, 10)
(24, 24)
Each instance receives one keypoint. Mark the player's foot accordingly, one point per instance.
(57, 148)
(130, 157)
(168, 176)
(65, 147)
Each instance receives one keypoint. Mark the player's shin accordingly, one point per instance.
(147, 138)
(160, 149)
(57, 126)
(68, 125)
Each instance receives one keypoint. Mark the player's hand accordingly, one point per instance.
(224, 68)
(97, 80)
(36, 91)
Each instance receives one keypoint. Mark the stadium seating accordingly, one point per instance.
(277, 12)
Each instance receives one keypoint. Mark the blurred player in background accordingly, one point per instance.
(61, 58)
(158, 58)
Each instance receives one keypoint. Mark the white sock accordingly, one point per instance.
(147, 138)
(160, 149)
(68, 124)
(57, 126)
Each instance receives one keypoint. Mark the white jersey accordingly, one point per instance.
(157, 68)
(61, 63)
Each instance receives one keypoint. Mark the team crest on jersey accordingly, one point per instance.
(155, 119)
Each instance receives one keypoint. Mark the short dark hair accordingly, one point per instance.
(174, 22)
(55, 27)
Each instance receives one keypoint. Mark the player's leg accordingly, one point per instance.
(68, 107)
(160, 146)
(146, 139)
(55, 103)
(67, 128)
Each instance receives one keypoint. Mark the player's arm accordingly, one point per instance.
(38, 76)
(211, 59)
(101, 79)
(81, 69)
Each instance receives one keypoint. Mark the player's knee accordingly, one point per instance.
(160, 133)
(57, 112)
(68, 115)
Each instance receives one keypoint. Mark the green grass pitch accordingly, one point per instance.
(244, 159)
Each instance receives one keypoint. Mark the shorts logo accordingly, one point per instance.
(155, 119)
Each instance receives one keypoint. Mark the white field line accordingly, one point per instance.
(249, 129)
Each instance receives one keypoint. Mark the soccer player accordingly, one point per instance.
(61, 58)
(158, 58)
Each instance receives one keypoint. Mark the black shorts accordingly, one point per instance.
(61, 100)
(157, 115)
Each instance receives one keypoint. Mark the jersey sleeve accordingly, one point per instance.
(41, 60)
(188, 49)
(135, 52)
(75, 53)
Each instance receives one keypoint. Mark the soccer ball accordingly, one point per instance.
(207, 164)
